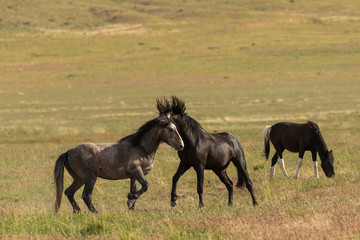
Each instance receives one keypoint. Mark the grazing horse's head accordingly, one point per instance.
(327, 164)
(170, 135)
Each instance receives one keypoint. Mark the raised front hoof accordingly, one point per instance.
(76, 211)
(94, 211)
(131, 204)
(132, 196)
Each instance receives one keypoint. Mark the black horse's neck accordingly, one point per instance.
(190, 130)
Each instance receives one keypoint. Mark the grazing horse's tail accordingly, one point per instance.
(59, 179)
(266, 135)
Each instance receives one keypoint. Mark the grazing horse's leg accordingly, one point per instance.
(70, 192)
(301, 156)
(282, 164)
(298, 167)
(133, 189)
(180, 171)
(140, 177)
(86, 196)
(274, 161)
(200, 185)
(316, 172)
(226, 180)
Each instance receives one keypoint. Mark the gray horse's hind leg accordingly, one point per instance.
(86, 196)
(70, 192)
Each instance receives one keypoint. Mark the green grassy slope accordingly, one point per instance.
(76, 71)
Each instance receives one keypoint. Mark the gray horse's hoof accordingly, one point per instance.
(131, 204)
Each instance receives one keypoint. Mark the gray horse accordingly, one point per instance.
(132, 157)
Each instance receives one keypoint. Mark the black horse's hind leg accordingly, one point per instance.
(70, 192)
(86, 196)
(200, 185)
(133, 189)
(180, 171)
(226, 180)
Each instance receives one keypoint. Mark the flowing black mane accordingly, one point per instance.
(161, 121)
(186, 122)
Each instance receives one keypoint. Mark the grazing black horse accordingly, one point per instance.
(298, 138)
(132, 157)
(205, 151)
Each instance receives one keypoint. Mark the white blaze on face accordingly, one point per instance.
(173, 127)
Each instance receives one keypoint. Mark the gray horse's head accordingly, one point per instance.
(170, 135)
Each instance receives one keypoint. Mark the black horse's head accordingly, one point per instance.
(327, 164)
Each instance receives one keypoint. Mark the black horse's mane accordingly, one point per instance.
(176, 107)
(160, 121)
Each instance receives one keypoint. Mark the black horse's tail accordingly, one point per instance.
(239, 162)
(266, 135)
(59, 179)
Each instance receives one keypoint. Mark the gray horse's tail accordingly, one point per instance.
(59, 179)
(266, 135)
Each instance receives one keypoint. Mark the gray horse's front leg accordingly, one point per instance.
(133, 189)
(134, 195)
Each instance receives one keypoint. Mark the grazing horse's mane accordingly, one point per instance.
(161, 121)
(318, 139)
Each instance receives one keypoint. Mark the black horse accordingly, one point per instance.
(205, 151)
(298, 138)
(132, 157)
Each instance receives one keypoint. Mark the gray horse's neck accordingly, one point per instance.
(151, 141)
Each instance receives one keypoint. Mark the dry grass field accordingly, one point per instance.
(90, 71)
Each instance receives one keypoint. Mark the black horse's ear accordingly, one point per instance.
(163, 105)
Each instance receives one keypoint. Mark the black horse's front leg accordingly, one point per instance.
(180, 171)
(133, 196)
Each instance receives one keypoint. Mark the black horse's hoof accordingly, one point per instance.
(173, 204)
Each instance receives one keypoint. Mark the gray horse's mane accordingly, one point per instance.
(161, 121)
